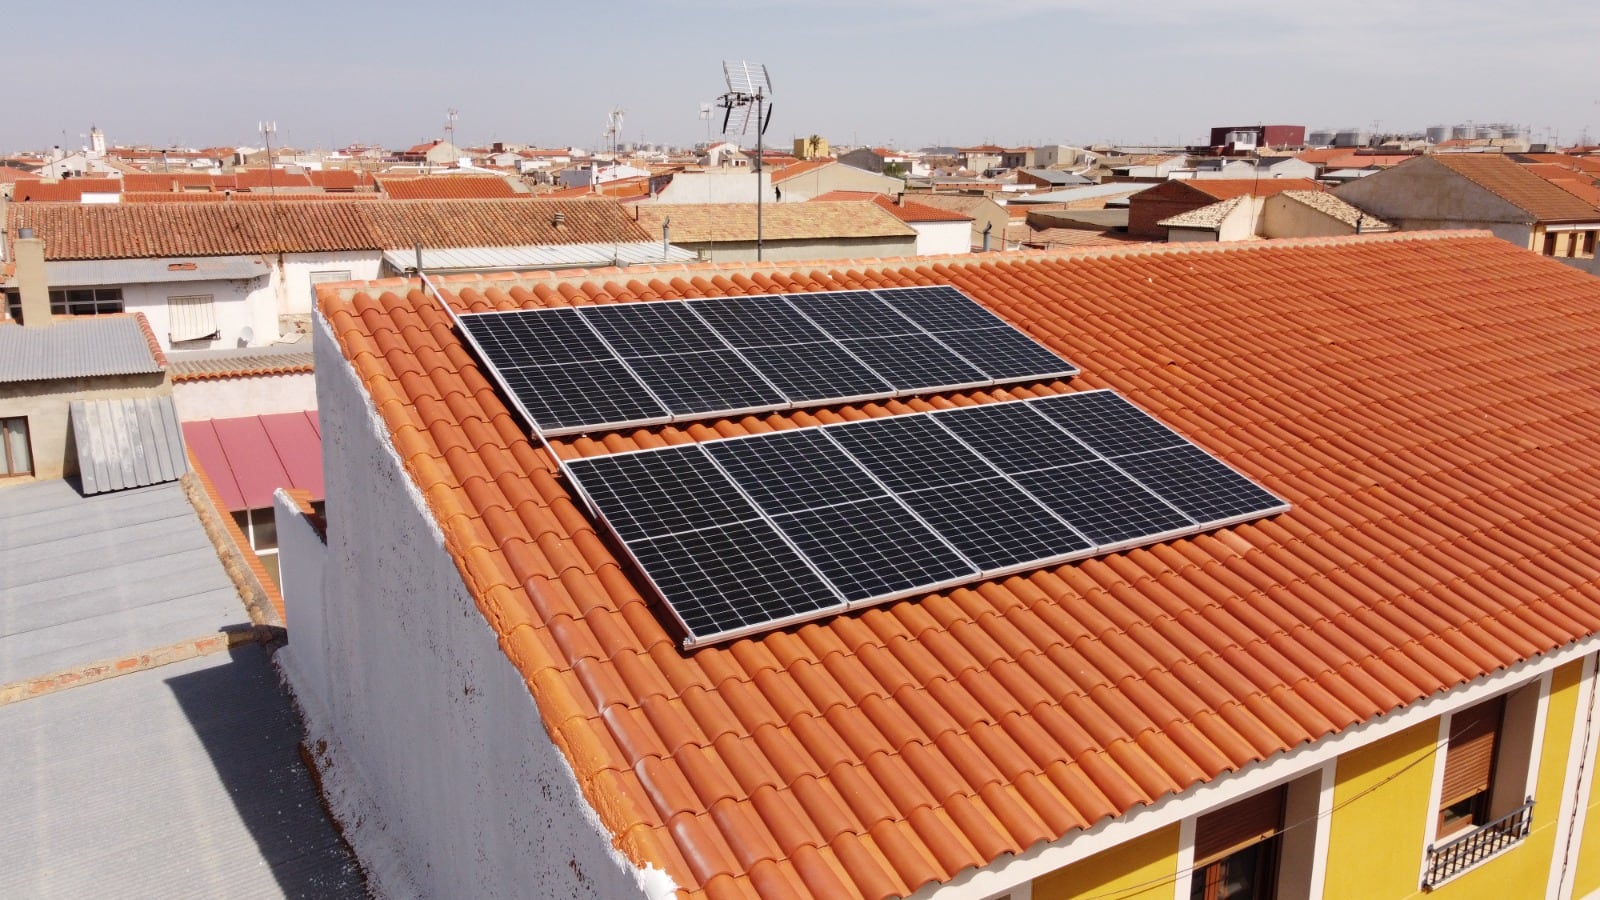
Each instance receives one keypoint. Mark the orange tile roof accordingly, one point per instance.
(1427, 403)
(908, 211)
(269, 179)
(1514, 184)
(1572, 181)
(803, 167)
(448, 187)
(328, 223)
(174, 197)
(1229, 188)
(703, 222)
(1368, 160)
(70, 190)
(1320, 155)
(167, 181)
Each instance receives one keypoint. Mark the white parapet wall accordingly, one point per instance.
(434, 757)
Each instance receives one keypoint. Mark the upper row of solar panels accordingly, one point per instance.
(585, 368)
(747, 534)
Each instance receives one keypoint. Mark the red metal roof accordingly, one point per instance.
(250, 457)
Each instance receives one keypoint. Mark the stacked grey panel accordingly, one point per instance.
(576, 369)
(127, 443)
(76, 347)
(742, 535)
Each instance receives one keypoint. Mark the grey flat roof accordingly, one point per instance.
(91, 272)
(178, 781)
(544, 256)
(75, 347)
(92, 578)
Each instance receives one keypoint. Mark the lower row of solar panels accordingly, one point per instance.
(747, 534)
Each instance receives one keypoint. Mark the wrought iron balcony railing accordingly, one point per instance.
(1458, 854)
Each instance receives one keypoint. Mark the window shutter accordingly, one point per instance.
(1233, 828)
(1469, 760)
(191, 318)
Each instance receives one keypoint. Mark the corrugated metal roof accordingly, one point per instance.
(536, 256)
(127, 443)
(80, 347)
(90, 272)
(248, 458)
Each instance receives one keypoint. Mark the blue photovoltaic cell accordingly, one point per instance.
(915, 362)
(994, 524)
(1103, 504)
(1005, 353)
(793, 470)
(537, 337)
(742, 575)
(940, 308)
(811, 372)
(1107, 423)
(909, 453)
(694, 383)
(852, 314)
(757, 321)
(872, 548)
(650, 329)
(1013, 436)
(1198, 483)
(576, 394)
(660, 492)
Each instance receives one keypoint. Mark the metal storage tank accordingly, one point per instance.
(1486, 133)
(1320, 138)
(1349, 137)
(1438, 134)
(1514, 133)
(1461, 133)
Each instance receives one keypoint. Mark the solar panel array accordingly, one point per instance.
(746, 534)
(575, 369)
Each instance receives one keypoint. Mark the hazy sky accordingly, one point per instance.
(187, 73)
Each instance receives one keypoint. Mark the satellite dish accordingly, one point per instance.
(246, 335)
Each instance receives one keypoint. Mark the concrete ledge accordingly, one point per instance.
(101, 670)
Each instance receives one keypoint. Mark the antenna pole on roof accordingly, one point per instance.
(748, 86)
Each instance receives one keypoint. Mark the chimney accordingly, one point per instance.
(30, 279)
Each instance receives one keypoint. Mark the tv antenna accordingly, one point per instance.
(748, 89)
(268, 129)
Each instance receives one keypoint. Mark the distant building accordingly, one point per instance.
(1287, 214)
(939, 231)
(1248, 138)
(727, 232)
(1148, 208)
(816, 177)
(863, 158)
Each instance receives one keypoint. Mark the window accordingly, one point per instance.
(1469, 767)
(1484, 802)
(1236, 850)
(326, 277)
(260, 527)
(1549, 243)
(15, 452)
(73, 302)
(191, 318)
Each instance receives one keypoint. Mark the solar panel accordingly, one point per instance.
(571, 396)
(690, 384)
(940, 308)
(807, 373)
(741, 534)
(852, 314)
(538, 337)
(1198, 483)
(874, 549)
(761, 353)
(651, 329)
(994, 524)
(916, 362)
(909, 453)
(757, 321)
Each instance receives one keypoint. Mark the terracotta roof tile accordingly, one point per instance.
(892, 747)
(70, 190)
(695, 222)
(906, 211)
(1514, 184)
(448, 187)
(803, 167)
(117, 231)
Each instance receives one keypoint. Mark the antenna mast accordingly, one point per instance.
(267, 130)
(748, 88)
